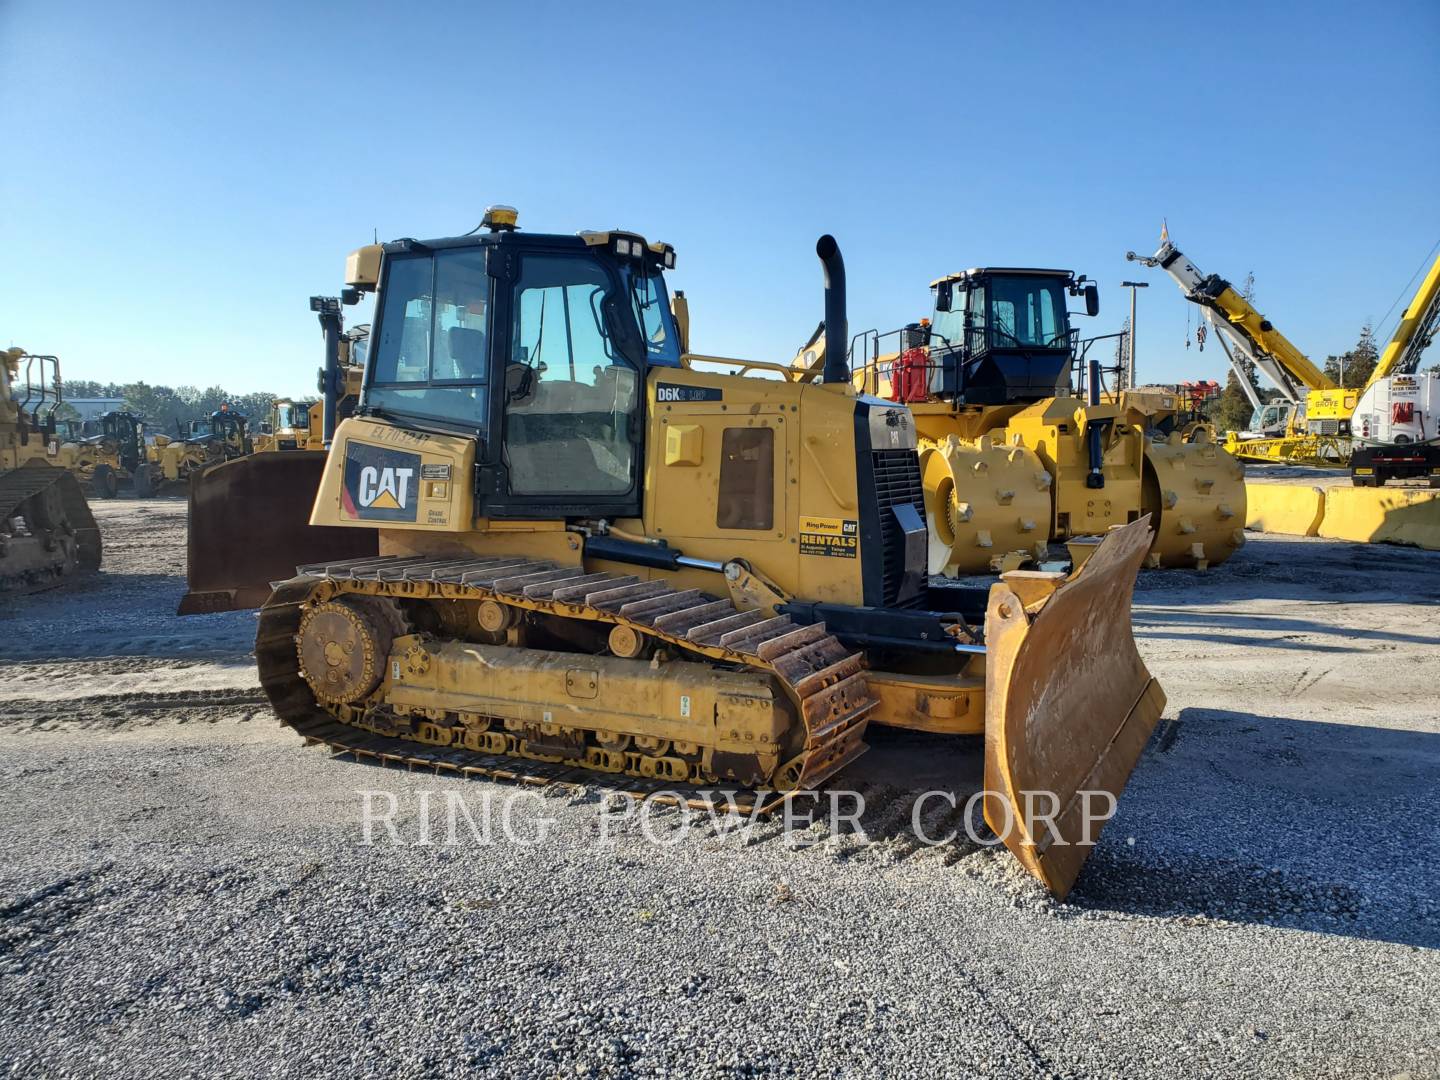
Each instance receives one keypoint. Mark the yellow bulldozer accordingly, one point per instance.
(47, 532)
(223, 494)
(1022, 446)
(290, 427)
(596, 558)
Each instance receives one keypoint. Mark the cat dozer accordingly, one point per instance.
(596, 558)
(1015, 457)
(47, 532)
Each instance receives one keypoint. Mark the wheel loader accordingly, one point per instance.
(47, 532)
(1015, 458)
(596, 558)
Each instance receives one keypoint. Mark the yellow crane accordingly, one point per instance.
(1310, 424)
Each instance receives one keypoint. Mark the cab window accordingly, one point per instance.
(1027, 313)
(571, 400)
(430, 350)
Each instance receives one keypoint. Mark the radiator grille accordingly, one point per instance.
(897, 481)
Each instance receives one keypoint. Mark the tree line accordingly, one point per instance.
(166, 409)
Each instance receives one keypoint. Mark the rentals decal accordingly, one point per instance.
(380, 484)
(836, 537)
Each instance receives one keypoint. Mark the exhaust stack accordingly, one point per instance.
(837, 326)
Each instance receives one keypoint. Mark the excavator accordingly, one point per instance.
(47, 533)
(1311, 423)
(1021, 445)
(597, 559)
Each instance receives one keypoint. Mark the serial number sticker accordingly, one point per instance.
(434, 472)
(836, 537)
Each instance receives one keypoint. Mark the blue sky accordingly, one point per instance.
(180, 178)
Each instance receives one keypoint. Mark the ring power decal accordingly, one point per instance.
(380, 484)
(836, 537)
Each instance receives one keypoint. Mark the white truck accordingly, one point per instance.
(1396, 428)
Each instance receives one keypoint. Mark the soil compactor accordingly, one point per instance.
(596, 558)
(1013, 459)
(47, 532)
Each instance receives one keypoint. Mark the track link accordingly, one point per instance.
(824, 680)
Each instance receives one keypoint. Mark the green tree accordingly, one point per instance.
(1231, 410)
(1355, 367)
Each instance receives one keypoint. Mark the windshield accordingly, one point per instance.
(289, 414)
(651, 305)
(1028, 312)
(431, 351)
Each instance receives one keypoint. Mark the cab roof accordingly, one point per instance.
(983, 271)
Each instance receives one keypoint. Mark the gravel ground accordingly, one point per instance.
(184, 889)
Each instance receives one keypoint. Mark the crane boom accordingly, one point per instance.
(1413, 335)
(1249, 333)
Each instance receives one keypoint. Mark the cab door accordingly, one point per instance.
(573, 402)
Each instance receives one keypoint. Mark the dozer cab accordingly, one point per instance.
(47, 532)
(596, 558)
(1021, 445)
(289, 427)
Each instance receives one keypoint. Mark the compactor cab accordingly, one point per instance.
(1004, 335)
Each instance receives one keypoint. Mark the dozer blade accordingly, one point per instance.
(250, 525)
(1069, 705)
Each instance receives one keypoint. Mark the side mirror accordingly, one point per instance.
(1092, 301)
(944, 296)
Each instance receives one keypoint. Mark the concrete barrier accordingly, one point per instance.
(1284, 508)
(1382, 516)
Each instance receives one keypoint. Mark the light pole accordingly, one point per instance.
(1130, 358)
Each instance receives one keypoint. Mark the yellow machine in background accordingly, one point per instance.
(223, 494)
(294, 425)
(1310, 425)
(108, 457)
(169, 461)
(47, 532)
(1013, 459)
(594, 556)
